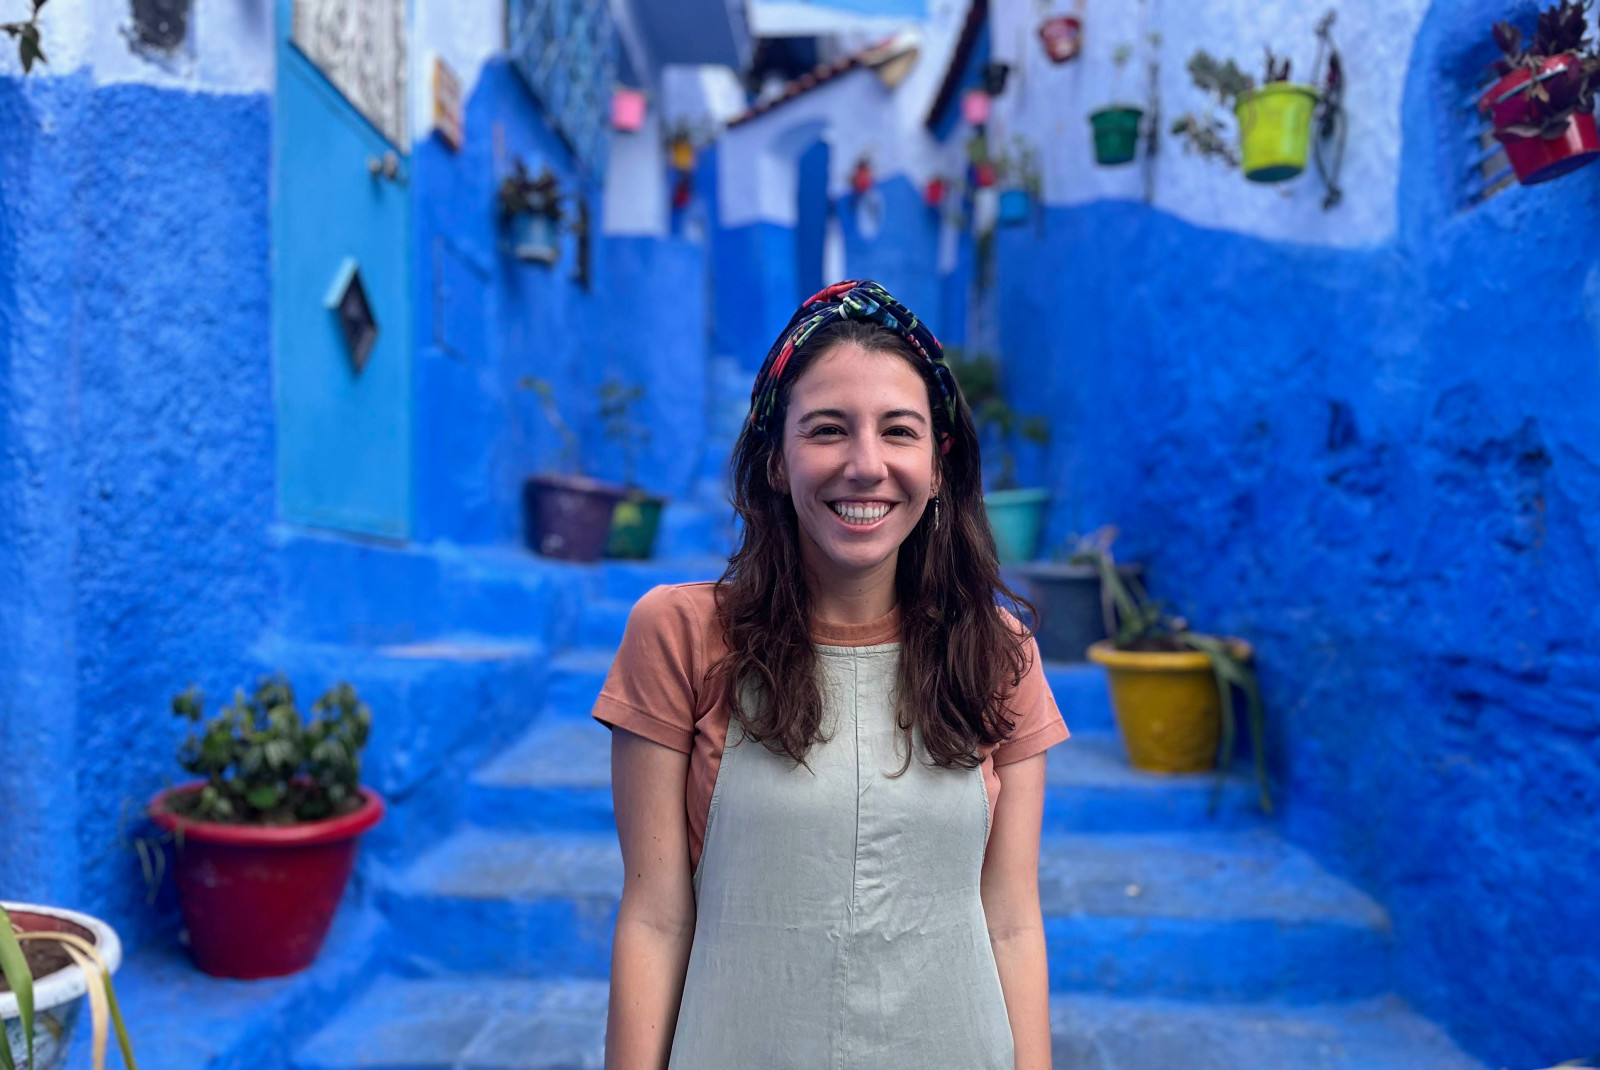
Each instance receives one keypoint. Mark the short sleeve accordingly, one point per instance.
(654, 682)
(1038, 723)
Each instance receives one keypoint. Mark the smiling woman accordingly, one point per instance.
(829, 769)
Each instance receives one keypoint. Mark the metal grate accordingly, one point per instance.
(1487, 170)
(566, 51)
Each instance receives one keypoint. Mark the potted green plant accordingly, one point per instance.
(530, 206)
(1172, 689)
(1016, 514)
(265, 840)
(1021, 184)
(50, 959)
(1542, 104)
(637, 516)
(1116, 126)
(566, 515)
(1067, 593)
(1273, 120)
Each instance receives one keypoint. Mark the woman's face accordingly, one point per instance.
(858, 459)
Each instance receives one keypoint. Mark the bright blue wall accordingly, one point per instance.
(902, 253)
(139, 543)
(1380, 466)
(139, 482)
(811, 219)
(487, 320)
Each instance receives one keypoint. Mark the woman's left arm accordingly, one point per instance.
(1011, 907)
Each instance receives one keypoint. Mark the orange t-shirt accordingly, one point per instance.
(657, 689)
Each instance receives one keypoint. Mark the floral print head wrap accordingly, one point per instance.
(855, 299)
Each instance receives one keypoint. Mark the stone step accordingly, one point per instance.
(576, 676)
(602, 623)
(558, 778)
(494, 1023)
(1217, 915)
(181, 1019)
(628, 581)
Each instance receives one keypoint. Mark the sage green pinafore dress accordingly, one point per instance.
(839, 922)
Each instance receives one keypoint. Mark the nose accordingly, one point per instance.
(865, 465)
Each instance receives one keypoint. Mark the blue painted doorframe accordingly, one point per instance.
(344, 437)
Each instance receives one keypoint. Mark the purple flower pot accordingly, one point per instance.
(568, 516)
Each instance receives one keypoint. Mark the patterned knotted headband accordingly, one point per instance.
(857, 299)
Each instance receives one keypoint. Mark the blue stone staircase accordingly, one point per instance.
(1176, 938)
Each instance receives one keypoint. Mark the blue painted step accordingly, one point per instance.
(180, 1019)
(1239, 915)
(577, 675)
(499, 1024)
(558, 778)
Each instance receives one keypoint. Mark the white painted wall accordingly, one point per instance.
(229, 49)
(1050, 105)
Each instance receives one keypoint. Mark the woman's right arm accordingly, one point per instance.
(655, 925)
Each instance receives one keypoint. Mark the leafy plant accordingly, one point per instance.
(1135, 622)
(616, 420)
(104, 1013)
(546, 393)
(266, 765)
(1018, 168)
(524, 194)
(26, 34)
(1553, 96)
(980, 380)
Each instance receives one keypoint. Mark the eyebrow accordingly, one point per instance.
(840, 414)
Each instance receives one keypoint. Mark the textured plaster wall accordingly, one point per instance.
(137, 483)
(1379, 461)
(487, 322)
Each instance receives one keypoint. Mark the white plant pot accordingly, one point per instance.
(57, 998)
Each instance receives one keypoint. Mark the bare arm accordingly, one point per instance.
(1011, 906)
(655, 925)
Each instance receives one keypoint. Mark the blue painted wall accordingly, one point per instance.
(1380, 466)
(140, 548)
(138, 486)
(902, 253)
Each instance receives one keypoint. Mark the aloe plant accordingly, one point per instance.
(105, 1015)
(1136, 622)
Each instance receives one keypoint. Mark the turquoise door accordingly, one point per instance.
(341, 262)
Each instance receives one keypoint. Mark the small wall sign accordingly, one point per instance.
(448, 121)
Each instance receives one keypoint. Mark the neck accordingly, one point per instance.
(848, 597)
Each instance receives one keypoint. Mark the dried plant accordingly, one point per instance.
(1554, 95)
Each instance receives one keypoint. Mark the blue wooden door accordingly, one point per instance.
(341, 267)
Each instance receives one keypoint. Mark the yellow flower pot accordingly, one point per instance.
(1275, 130)
(1168, 710)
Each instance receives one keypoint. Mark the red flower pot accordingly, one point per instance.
(861, 178)
(933, 193)
(983, 175)
(1062, 37)
(258, 900)
(1539, 159)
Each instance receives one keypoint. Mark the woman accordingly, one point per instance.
(859, 733)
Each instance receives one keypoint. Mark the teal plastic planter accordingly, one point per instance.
(1015, 207)
(1016, 517)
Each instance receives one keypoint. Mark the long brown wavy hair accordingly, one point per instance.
(959, 657)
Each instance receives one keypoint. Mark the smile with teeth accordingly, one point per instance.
(861, 512)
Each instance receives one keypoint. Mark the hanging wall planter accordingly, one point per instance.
(531, 210)
(1062, 37)
(861, 178)
(1275, 131)
(933, 193)
(1016, 206)
(1116, 134)
(1542, 106)
(634, 523)
(627, 110)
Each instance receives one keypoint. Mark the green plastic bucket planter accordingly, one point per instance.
(1116, 134)
(633, 527)
(1016, 517)
(1275, 130)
